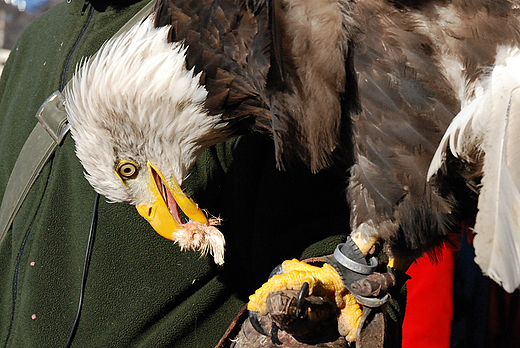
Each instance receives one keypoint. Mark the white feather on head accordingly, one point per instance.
(136, 93)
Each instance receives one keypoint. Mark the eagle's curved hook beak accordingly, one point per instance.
(163, 214)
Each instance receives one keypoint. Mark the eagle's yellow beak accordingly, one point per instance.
(163, 213)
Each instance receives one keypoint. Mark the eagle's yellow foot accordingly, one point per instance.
(323, 281)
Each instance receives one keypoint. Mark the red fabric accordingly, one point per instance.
(429, 309)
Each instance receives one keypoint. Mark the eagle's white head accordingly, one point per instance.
(138, 118)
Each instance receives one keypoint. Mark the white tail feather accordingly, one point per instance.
(491, 123)
(497, 240)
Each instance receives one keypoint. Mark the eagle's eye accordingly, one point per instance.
(127, 170)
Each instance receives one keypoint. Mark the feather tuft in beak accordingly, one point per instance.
(198, 234)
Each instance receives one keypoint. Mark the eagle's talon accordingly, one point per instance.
(277, 270)
(255, 323)
(322, 281)
(304, 292)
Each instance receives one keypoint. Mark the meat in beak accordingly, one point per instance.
(163, 215)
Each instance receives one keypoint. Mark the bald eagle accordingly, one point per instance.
(189, 76)
(419, 98)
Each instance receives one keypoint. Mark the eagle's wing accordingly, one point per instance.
(280, 70)
(406, 105)
(228, 44)
(418, 66)
(311, 86)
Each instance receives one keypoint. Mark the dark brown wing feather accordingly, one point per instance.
(406, 105)
(403, 118)
(267, 67)
(225, 44)
(307, 86)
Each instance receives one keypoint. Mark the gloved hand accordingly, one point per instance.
(306, 305)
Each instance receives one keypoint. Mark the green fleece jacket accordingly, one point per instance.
(142, 290)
